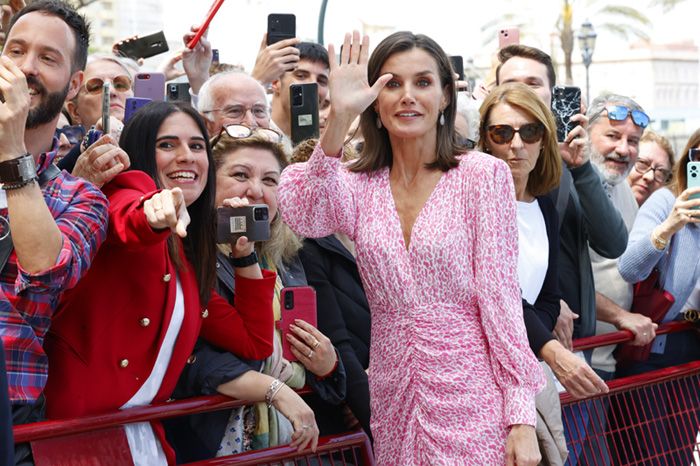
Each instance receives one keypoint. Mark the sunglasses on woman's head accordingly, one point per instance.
(242, 132)
(529, 133)
(121, 83)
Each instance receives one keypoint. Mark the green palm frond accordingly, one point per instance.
(626, 12)
(667, 5)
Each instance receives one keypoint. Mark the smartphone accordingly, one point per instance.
(508, 36)
(298, 302)
(304, 111)
(106, 90)
(693, 169)
(566, 102)
(133, 104)
(280, 26)
(251, 221)
(215, 57)
(205, 24)
(150, 86)
(178, 92)
(144, 47)
(458, 65)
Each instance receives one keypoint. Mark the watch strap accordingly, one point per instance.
(245, 261)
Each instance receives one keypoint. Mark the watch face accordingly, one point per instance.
(26, 168)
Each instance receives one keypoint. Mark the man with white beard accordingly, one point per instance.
(615, 127)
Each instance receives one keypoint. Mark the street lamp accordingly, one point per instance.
(586, 42)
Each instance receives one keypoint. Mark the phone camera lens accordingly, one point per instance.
(260, 214)
(289, 300)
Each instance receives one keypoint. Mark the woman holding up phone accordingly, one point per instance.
(122, 336)
(452, 376)
(249, 163)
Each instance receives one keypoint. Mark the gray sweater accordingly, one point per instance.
(678, 264)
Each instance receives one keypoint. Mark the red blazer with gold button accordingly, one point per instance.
(106, 332)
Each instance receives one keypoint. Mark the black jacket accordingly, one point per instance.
(344, 317)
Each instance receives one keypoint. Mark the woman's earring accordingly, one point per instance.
(442, 118)
(379, 122)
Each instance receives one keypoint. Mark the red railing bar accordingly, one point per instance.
(641, 380)
(625, 335)
(284, 452)
(56, 428)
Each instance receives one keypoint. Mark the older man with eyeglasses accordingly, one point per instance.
(616, 124)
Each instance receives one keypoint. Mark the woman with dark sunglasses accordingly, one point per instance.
(123, 335)
(519, 129)
(452, 379)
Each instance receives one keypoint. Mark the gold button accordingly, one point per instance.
(191, 359)
(145, 322)
(166, 277)
(205, 313)
(123, 363)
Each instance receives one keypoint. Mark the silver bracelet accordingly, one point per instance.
(272, 390)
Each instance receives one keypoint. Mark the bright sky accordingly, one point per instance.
(239, 26)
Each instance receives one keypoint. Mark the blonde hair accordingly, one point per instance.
(283, 244)
(547, 172)
(679, 183)
(664, 144)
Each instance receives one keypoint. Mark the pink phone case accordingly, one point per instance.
(508, 36)
(150, 85)
(300, 305)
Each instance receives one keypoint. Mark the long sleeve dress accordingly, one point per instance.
(450, 367)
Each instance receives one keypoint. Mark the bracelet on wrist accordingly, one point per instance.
(18, 172)
(244, 261)
(658, 242)
(272, 390)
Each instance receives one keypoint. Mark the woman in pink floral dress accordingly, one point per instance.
(452, 378)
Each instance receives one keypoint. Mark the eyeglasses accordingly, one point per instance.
(237, 112)
(529, 133)
(620, 113)
(121, 83)
(242, 132)
(74, 134)
(661, 175)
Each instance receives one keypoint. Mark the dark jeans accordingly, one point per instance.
(664, 418)
(24, 414)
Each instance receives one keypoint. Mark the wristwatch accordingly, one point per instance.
(17, 172)
(245, 261)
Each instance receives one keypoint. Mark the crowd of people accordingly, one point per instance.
(455, 254)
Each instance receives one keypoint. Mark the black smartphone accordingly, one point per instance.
(280, 26)
(177, 92)
(251, 221)
(144, 47)
(303, 100)
(215, 57)
(458, 65)
(566, 102)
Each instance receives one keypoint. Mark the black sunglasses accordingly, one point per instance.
(529, 133)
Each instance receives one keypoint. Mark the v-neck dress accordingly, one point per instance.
(450, 366)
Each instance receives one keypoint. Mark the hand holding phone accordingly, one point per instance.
(205, 24)
(566, 102)
(693, 175)
(297, 302)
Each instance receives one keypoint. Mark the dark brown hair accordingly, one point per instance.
(680, 176)
(531, 53)
(545, 176)
(377, 153)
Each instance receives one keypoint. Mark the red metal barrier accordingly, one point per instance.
(647, 419)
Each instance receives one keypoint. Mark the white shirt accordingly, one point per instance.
(146, 450)
(533, 247)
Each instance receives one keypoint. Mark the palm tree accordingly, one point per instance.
(621, 20)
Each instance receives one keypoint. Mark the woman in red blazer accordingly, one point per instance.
(123, 335)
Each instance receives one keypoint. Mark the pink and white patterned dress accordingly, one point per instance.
(450, 365)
